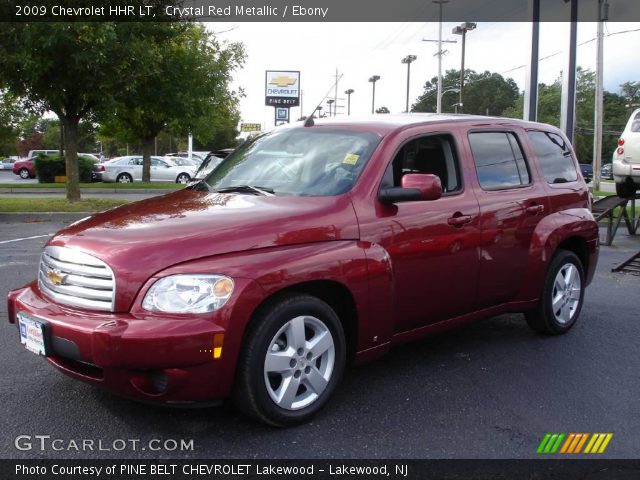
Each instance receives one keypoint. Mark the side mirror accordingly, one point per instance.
(415, 187)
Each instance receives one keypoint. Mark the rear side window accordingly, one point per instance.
(499, 160)
(554, 157)
(635, 125)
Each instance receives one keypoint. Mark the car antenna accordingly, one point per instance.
(309, 121)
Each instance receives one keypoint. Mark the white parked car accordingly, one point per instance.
(129, 169)
(626, 158)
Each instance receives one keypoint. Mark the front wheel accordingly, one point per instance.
(562, 295)
(24, 174)
(292, 361)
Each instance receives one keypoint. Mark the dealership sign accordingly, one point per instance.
(282, 88)
(250, 127)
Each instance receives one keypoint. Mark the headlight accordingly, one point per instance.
(188, 294)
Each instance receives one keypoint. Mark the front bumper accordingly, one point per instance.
(161, 359)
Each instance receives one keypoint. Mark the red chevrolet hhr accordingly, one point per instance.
(309, 247)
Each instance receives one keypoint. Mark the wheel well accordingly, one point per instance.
(334, 294)
(578, 246)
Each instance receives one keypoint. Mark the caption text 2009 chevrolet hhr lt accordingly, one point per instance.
(311, 246)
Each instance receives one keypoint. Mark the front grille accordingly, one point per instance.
(75, 278)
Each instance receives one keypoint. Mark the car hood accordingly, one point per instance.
(142, 238)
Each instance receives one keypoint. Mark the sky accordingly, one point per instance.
(360, 50)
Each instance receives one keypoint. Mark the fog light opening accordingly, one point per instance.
(159, 380)
(218, 340)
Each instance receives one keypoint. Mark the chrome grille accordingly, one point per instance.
(75, 278)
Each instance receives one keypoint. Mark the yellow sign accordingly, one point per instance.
(282, 81)
(351, 159)
(250, 127)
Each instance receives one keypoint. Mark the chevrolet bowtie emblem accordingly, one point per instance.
(282, 81)
(56, 277)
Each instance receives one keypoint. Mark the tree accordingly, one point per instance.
(73, 69)
(486, 93)
(382, 110)
(631, 94)
(185, 89)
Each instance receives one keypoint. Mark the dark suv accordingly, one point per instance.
(309, 247)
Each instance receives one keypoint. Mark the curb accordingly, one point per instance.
(37, 217)
(62, 191)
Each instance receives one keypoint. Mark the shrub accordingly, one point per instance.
(50, 166)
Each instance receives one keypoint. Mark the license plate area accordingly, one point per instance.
(33, 333)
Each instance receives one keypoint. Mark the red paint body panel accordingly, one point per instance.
(405, 268)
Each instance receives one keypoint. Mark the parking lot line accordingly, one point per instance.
(25, 238)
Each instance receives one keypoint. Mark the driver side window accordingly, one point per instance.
(433, 154)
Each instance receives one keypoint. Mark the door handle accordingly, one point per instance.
(458, 220)
(535, 209)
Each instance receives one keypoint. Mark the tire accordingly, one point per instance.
(124, 178)
(298, 379)
(626, 189)
(183, 178)
(556, 317)
(24, 174)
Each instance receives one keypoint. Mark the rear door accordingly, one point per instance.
(512, 203)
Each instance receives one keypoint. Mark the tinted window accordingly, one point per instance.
(554, 157)
(499, 160)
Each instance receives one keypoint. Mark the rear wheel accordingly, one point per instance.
(626, 189)
(124, 178)
(183, 178)
(292, 361)
(562, 295)
(24, 173)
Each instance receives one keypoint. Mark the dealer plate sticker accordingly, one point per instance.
(31, 333)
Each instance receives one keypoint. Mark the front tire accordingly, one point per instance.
(292, 360)
(24, 174)
(562, 295)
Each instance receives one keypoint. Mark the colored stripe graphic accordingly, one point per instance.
(598, 443)
(572, 443)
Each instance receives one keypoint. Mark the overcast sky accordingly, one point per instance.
(360, 50)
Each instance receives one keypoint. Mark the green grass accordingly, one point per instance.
(57, 205)
(98, 185)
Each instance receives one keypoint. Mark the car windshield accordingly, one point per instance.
(207, 166)
(295, 161)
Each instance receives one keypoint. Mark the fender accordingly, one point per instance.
(363, 268)
(550, 233)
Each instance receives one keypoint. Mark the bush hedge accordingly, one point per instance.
(50, 166)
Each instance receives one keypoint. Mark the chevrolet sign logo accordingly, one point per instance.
(56, 277)
(282, 81)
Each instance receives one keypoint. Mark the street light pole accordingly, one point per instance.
(349, 92)
(373, 79)
(408, 59)
(462, 29)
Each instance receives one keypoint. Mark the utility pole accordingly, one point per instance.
(603, 14)
(335, 91)
(440, 53)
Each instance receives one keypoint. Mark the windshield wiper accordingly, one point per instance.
(265, 191)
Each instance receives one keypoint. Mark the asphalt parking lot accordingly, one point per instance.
(489, 390)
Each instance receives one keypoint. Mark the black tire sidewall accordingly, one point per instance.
(186, 175)
(560, 260)
(258, 344)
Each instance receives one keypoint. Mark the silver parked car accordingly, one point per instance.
(129, 169)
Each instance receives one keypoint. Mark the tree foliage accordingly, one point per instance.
(617, 109)
(382, 110)
(186, 88)
(486, 93)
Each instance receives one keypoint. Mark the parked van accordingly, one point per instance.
(626, 158)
